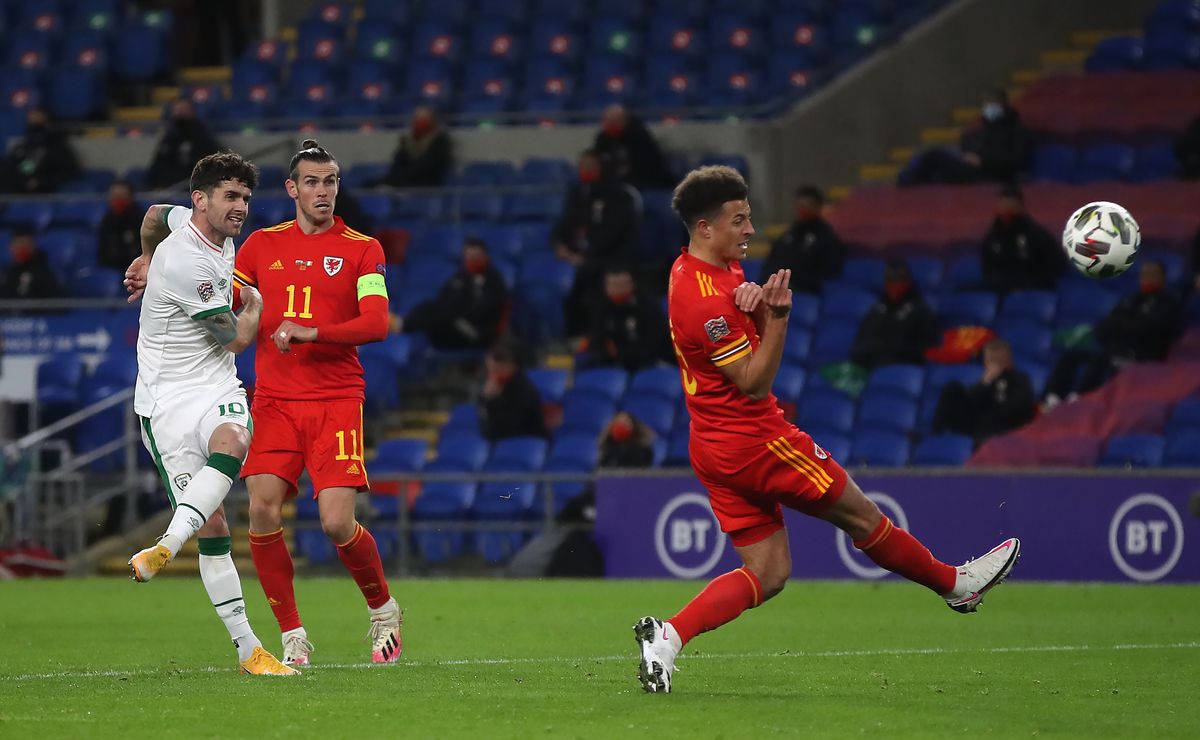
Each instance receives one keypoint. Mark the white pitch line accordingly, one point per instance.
(632, 656)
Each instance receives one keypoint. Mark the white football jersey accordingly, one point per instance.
(189, 278)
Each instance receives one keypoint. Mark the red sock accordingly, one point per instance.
(898, 551)
(275, 573)
(360, 555)
(721, 601)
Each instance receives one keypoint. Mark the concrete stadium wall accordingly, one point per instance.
(880, 104)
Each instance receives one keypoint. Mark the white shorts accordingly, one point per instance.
(177, 436)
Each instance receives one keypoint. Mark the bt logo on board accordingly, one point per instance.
(1145, 537)
(687, 538)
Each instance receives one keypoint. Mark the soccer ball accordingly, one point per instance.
(1101, 239)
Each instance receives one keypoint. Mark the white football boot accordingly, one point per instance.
(660, 644)
(386, 643)
(296, 648)
(976, 577)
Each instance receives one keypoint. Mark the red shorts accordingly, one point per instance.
(323, 437)
(748, 486)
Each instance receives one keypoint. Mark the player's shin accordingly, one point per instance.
(360, 555)
(205, 492)
(721, 601)
(896, 550)
(276, 573)
(224, 589)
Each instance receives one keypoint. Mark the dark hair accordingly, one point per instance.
(504, 351)
(897, 270)
(618, 268)
(22, 232)
(310, 151)
(1012, 191)
(217, 168)
(811, 191)
(475, 241)
(704, 190)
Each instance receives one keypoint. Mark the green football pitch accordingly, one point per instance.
(494, 658)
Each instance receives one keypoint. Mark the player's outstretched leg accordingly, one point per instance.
(659, 645)
(976, 577)
(204, 493)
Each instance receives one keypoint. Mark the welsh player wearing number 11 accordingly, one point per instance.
(729, 336)
(323, 293)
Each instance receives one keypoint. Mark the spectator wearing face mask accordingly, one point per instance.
(625, 141)
(811, 249)
(996, 150)
(424, 156)
(41, 160)
(185, 140)
(30, 274)
(510, 405)
(628, 443)
(119, 241)
(1018, 254)
(598, 227)
(899, 327)
(628, 330)
(1140, 328)
(468, 310)
(1001, 401)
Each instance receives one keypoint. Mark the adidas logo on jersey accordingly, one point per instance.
(352, 469)
(277, 265)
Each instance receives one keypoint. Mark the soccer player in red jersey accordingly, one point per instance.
(323, 294)
(728, 336)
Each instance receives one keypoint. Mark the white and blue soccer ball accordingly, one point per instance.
(1101, 239)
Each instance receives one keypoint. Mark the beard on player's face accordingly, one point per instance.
(226, 217)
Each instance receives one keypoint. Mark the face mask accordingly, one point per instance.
(992, 111)
(1149, 287)
(475, 265)
(22, 255)
(614, 129)
(621, 431)
(422, 126)
(588, 176)
(120, 205)
(1006, 217)
(897, 290)
(807, 214)
(620, 299)
(503, 377)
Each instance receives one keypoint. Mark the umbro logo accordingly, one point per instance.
(352, 469)
(276, 265)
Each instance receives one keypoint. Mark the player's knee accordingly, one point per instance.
(773, 578)
(338, 529)
(216, 526)
(265, 516)
(232, 440)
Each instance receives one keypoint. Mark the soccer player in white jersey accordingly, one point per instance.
(193, 410)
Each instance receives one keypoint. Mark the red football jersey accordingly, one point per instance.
(311, 279)
(710, 331)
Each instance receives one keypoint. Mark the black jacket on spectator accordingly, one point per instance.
(1141, 327)
(119, 241)
(1187, 151)
(466, 312)
(1020, 255)
(515, 412)
(635, 155)
(895, 333)
(1003, 146)
(632, 335)
(812, 250)
(982, 411)
(421, 163)
(33, 279)
(40, 162)
(185, 141)
(600, 221)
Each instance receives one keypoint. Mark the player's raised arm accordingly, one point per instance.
(754, 373)
(234, 332)
(158, 223)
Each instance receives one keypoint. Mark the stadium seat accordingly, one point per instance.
(1115, 54)
(1133, 451)
(545, 171)
(829, 410)
(789, 384)
(586, 413)
(675, 34)
(143, 55)
(28, 214)
(1183, 449)
(662, 380)
(943, 449)
(399, 456)
(605, 382)
(967, 309)
(460, 451)
(1029, 305)
(882, 449)
(797, 347)
(574, 451)
(886, 413)
(864, 272)
(533, 206)
(442, 502)
(503, 502)
(1185, 416)
(806, 308)
(1082, 302)
(613, 35)
(75, 93)
(653, 410)
(1104, 162)
(464, 417)
(551, 383)
(901, 380)
(734, 31)
(554, 37)
(1054, 162)
(59, 381)
(1169, 49)
(965, 273)
(517, 454)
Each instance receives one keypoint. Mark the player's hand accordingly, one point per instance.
(290, 333)
(747, 296)
(135, 277)
(251, 299)
(776, 295)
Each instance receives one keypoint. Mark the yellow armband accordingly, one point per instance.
(372, 284)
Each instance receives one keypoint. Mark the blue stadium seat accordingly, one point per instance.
(75, 93)
(790, 71)
(901, 380)
(378, 42)
(586, 413)
(453, 12)
(1155, 161)
(116, 371)
(554, 37)
(1104, 162)
(517, 454)
(882, 449)
(515, 11)
(574, 451)
(833, 342)
(1170, 49)
(59, 382)
(426, 207)
(62, 248)
(1084, 302)
(502, 502)
(606, 382)
(551, 383)
(797, 347)
(430, 80)
(442, 502)
(789, 384)
(143, 55)
(965, 273)
(737, 32)
(672, 80)
(319, 40)
(1038, 373)
(653, 410)
(614, 35)
(853, 26)
(1183, 449)
(662, 381)
(533, 206)
(386, 11)
(464, 417)
(1133, 451)
(1185, 416)
(400, 456)
(677, 448)
(1054, 162)
(886, 413)
(734, 79)
(88, 49)
(806, 308)
(1028, 339)
(437, 39)
(938, 375)
(1030, 305)
(829, 410)
(30, 53)
(28, 214)
(1175, 14)
(864, 272)
(545, 171)
(460, 451)
(943, 449)
(96, 282)
(841, 300)
(675, 34)
(967, 309)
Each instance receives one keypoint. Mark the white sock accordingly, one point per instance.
(385, 609)
(224, 588)
(195, 505)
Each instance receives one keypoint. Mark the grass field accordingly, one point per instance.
(108, 658)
